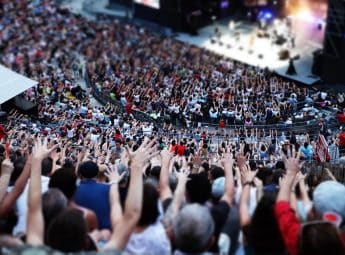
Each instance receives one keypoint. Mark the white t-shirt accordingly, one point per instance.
(70, 133)
(22, 206)
(147, 130)
(153, 240)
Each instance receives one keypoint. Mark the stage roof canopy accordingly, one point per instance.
(12, 84)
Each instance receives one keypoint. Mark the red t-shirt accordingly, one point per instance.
(181, 149)
(289, 225)
(129, 108)
(342, 139)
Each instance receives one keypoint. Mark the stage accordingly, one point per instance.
(239, 41)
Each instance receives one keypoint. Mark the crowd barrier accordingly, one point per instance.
(337, 169)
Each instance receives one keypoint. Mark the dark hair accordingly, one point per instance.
(320, 238)
(53, 202)
(47, 166)
(216, 172)
(88, 169)
(68, 231)
(150, 212)
(64, 180)
(280, 164)
(18, 164)
(8, 222)
(277, 174)
(155, 172)
(263, 232)
(313, 179)
(198, 188)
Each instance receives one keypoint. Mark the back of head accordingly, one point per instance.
(8, 222)
(320, 238)
(193, 228)
(264, 234)
(47, 166)
(88, 169)
(198, 188)
(18, 164)
(150, 212)
(277, 174)
(53, 202)
(329, 196)
(216, 172)
(64, 180)
(68, 231)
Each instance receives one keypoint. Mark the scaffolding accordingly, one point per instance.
(334, 43)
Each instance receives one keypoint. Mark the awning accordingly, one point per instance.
(13, 84)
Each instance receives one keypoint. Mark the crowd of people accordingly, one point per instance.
(81, 177)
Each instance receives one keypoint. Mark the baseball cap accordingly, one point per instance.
(218, 187)
(329, 197)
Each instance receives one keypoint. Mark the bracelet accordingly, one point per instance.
(247, 183)
(113, 183)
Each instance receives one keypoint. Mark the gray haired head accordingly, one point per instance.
(193, 228)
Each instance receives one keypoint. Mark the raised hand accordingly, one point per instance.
(241, 160)
(166, 156)
(227, 160)
(143, 154)
(258, 183)
(6, 167)
(292, 165)
(182, 175)
(113, 175)
(247, 174)
(40, 150)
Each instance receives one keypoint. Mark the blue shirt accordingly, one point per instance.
(95, 196)
(308, 152)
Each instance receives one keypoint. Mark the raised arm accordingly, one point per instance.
(116, 210)
(6, 171)
(133, 205)
(292, 166)
(288, 223)
(227, 162)
(164, 187)
(10, 198)
(248, 178)
(180, 191)
(35, 222)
